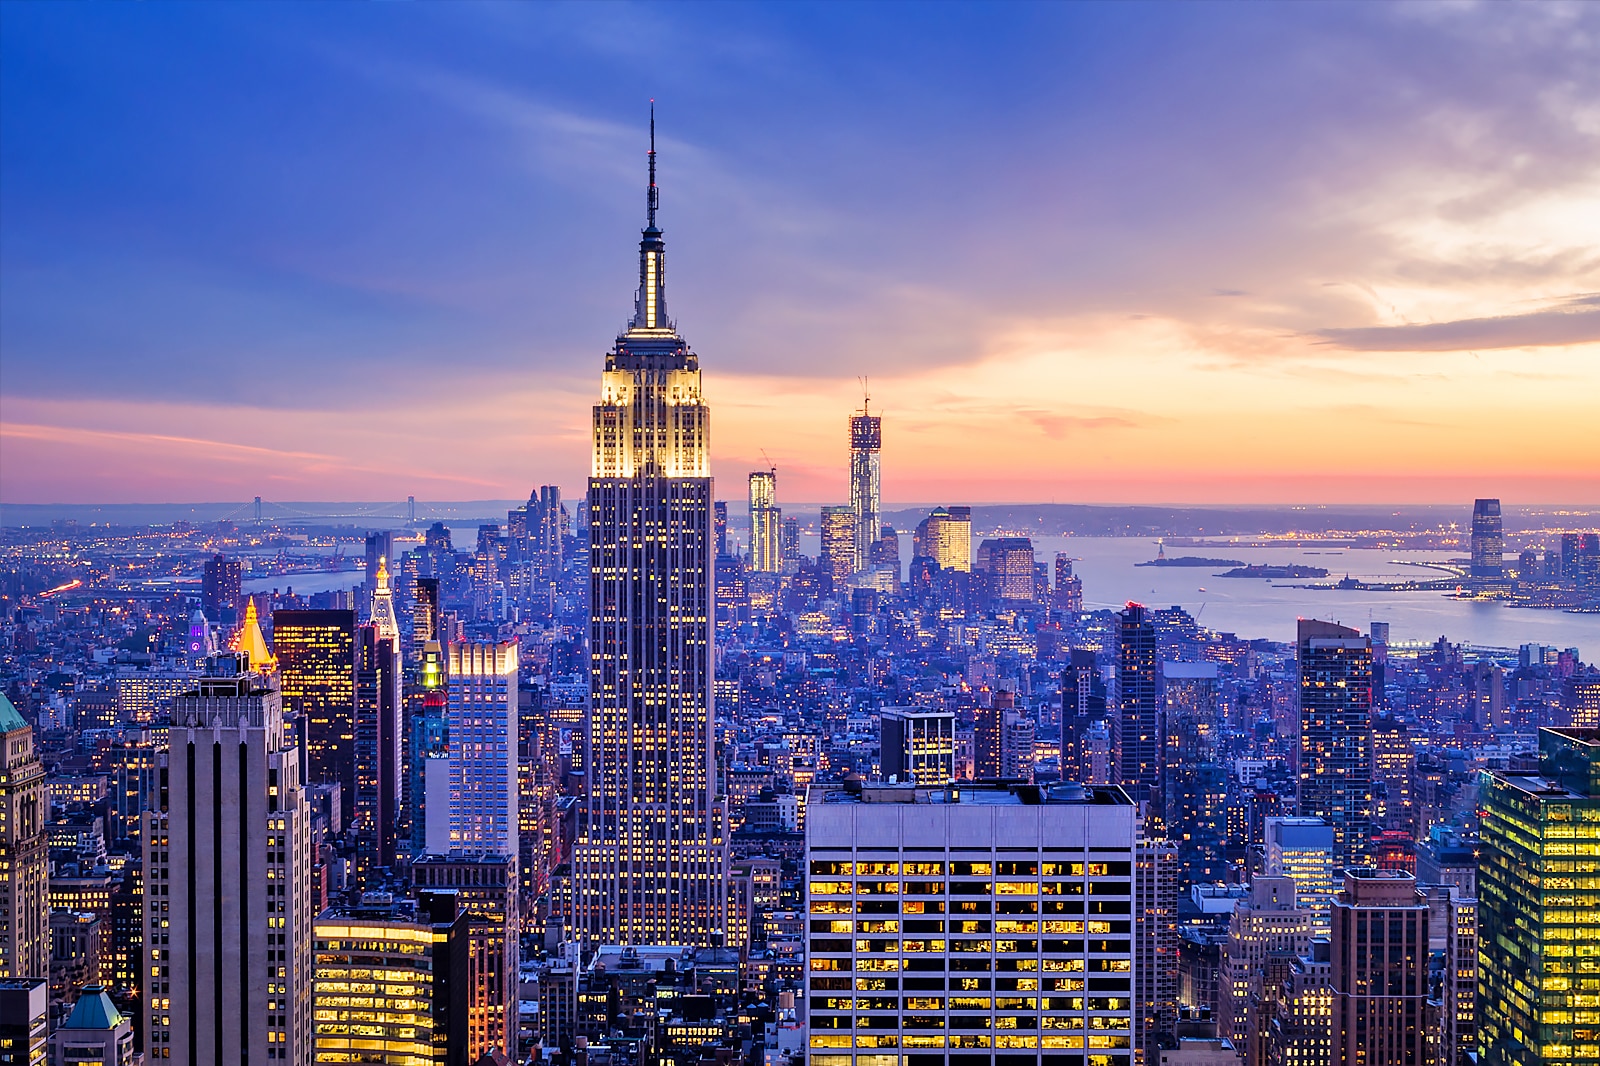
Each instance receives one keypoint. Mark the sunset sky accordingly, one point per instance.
(1083, 253)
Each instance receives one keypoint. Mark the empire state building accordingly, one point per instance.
(650, 857)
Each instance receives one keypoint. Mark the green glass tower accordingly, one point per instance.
(1539, 907)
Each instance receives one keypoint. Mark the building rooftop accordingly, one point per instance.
(974, 793)
(94, 1010)
(10, 718)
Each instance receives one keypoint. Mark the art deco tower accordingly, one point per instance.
(650, 856)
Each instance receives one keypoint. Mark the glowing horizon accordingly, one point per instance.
(1228, 256)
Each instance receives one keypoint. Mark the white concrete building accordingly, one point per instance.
(985, 925)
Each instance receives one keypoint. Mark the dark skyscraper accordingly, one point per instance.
(1380, 970)
(220, 590)
(719, 522)
(316, 653)
(1335, 673)
(650, 856)
(1139, 696)
(1488, 541)
(377, 747)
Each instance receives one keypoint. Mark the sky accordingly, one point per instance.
(1231, 253)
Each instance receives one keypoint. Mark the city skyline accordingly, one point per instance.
(1117, 258)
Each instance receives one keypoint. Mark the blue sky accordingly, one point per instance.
(1131, 249)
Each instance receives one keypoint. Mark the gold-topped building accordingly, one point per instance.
(650, 856)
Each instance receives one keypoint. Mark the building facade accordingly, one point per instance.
(766, 523)
(650, 861)
(866, 488)
(24, 854)
(316, 654)
(227, 923)
(484, 795)
(917, 744)
(1380, 970)
(1537, 876)
(986, 924)
(1334, 667)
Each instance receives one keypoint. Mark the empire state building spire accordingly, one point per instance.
(650, 306)
(650, 859)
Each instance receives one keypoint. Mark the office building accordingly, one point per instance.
(1334, 668)
(649, 863)
(1007, 563)
(482, 690)
(1155, 941)
(95, 1033)
(316, 652)
(917, 744)
(988, 735)
(1380, 970)
(24, 1020)
(227, 925)
(1017, 735)
(945, 536)
(1303, 849)
(1300, 1032)
(377, 741)
(221, 590)
(836, 554)
(1068, 592)
(1457, 1033)
(987, 924)
(390, 982)
(766, 554)
(866, 505)
(24, 852)
(1265, 926)
(1488, 540)
(1139, 696)
(1536, 880)
(485, 887)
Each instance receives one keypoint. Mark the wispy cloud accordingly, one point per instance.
(1574, 321)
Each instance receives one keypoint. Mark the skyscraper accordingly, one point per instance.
(220, 590)
(485, 886)
(483, 747)
(945, 536)
(377, 741)
(1007, 563)
(650, 855)
(1302, 849)
(1380, 970)
(228, 917)
(1139, 695)
(991, 920)
(766, 554)
(24, 854)
(866, 438)
(1536, 880)
(316, 653)
(1335, 692)
(1488, 541)
(837, 552)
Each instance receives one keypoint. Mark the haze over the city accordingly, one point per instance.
(1200, 254)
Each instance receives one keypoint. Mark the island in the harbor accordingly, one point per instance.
(1262, 570)
(1190, 560)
